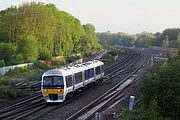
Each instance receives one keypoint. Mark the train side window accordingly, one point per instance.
(98, 70)
(86, 74)
(91, 73)
(102, 68)
(69, 80)
(78, 77)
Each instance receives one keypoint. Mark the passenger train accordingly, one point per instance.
(57, 84)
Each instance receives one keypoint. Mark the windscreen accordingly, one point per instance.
(53, 81)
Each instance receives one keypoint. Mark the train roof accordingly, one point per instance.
(73, 69)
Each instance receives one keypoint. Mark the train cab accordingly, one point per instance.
(53, 86)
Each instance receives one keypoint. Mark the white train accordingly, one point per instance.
(57, 84)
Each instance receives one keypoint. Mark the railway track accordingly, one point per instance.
(31, 106)
(36, 85)
(40, 115)
(110, 96)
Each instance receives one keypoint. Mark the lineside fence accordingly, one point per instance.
(3, 70)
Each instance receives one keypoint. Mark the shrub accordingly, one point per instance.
(2, 63)
(41, 65)
(73, 58)
(44, 55)
(115, 51)
(35, 76)
(16, 59)
(9, 93)
(58, 61)
(19, 71)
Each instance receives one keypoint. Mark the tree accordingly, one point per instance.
(56, 32)
(6, 51)
(163, 86)
(89, 40)
(27, 46)
(166, 42)
(178, 40)
(2, 63)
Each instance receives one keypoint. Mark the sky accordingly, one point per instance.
(129, 16)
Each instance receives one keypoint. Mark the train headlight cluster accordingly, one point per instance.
(45, 90)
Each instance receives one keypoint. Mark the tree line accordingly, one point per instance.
(168, 38)
(39, 31)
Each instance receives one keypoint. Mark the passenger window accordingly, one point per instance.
(78, 77)
(91, 73)
(86, 74)
(69, 81)
(98, 70)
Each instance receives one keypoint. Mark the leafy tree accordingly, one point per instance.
(165, 42)
(178, 40)
(144, 39)
(6, 51)
(27, 46)
(16, 59)
(89, 39)
(163, 86)
(56, 32)
(2, 63)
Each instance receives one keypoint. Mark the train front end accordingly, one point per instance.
(52, 87)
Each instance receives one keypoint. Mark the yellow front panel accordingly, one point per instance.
(52, 91)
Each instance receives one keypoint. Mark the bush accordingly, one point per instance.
(16, 59)
(58, 61)
(41, 65)
(9, 93)
(2, 63)
(163, 86)
(19, 71)
(134, 114)
(115, 51)
(44, 55)
(73, 58)
(35, 76)
(6, 50)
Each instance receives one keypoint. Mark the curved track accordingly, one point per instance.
(35, 107)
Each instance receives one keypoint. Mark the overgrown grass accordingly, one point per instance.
(112, 52)
(21, 74)
(8, 92)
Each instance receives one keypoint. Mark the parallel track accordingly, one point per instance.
(26, 108)
(108, 97)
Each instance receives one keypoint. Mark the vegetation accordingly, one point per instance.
(20, 74)
(40, 31)
(112, 54)
(159, 93)
(7, 92)
(168, 38)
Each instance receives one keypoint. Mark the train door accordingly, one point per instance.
(73, 81)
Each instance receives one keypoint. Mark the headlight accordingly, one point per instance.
(59, 90)
(45, 90)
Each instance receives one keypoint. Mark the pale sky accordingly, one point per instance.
(129, 16)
